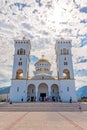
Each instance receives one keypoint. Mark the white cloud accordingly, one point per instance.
(45, 24)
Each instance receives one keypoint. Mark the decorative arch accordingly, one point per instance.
(54, 92)
(43, 87)
(66, 74)
(43, 91)
(64, 51)
(21, 51)
(19, 74)
(31, 92)
(55, 88)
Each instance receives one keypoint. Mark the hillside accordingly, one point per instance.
(82, 92)
(5, 90)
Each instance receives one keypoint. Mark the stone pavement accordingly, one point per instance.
(43, 120)
(61, 120)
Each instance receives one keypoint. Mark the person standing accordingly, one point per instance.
(80, 108)
(22, 99)
(70, 100)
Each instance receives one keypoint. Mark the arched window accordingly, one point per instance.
(65, 63)
(19, 63)
(65, 51)
(24, 52)
(66, 74)
(17, 52)
(17, 89)
(19, 74)
(61, 51)
(21, 51)
(67, 89)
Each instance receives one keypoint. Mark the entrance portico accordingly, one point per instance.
(42, 91)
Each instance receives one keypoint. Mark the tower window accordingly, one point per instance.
(65, 63)
(42, 77)
(17, 52)
(65, 51)
(67, 89)
(17, 89)
(66, 74)
(22, 51)
(65, 58)
(19, 74)
(20, 63)
(61, 51)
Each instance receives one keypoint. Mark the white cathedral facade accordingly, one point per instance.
(42, 86)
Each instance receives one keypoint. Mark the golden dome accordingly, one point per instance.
(42, 60)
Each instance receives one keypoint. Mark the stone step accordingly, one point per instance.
(45, 106)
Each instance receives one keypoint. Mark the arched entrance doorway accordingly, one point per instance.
(42, 91)
(31, 93)
(55, 92)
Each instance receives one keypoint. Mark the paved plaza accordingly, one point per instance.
(42, 120)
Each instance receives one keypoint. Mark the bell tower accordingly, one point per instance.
(18, 90)
(21, 59)
(64, 59)
(65, 70)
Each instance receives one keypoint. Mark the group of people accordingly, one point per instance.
(49, 99)
(52, 99)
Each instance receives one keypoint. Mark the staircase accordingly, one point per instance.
(42, 107)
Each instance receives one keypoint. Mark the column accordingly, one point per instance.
(49, 90)
(36, 93)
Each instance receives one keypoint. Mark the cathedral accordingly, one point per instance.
(42, 86)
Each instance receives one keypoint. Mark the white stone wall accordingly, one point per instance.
(64, 94)
(15, 94)
(23, 88)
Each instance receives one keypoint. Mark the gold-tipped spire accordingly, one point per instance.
(23, 38)
(42, 56)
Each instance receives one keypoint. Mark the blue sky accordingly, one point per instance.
(43, 22)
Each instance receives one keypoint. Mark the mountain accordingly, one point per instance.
(82, 92)
(5, 90)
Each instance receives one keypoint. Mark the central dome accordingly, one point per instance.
(42, 60)
(42, 67)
